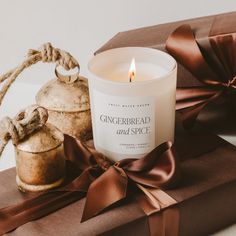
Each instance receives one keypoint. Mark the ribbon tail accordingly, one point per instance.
(106, 190)
(15, 216)
(36, 207)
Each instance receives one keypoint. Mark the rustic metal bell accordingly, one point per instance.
(40, 160)
(39, 150)
(67, 100)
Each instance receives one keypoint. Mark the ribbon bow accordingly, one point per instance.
(155, 170)
(213, 64)
(104, 182)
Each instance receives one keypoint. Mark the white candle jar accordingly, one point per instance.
(131, 118)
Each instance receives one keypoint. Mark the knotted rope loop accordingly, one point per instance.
(55, 55)
(24, 123)
(47, 54)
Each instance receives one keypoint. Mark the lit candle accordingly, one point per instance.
(132, 96)
(132, 70)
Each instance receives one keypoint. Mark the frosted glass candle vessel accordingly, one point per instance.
(131, 118)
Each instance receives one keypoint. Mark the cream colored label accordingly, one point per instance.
(124, 125)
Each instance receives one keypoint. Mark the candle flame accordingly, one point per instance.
(132, 71)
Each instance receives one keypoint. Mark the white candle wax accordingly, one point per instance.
(131, 118)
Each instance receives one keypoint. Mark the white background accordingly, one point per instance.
(80, 27)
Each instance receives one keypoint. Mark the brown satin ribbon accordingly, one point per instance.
(214, 67)
(165, 224)
(157, 169)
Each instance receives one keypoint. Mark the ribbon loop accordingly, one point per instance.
(204, 65)
(157, 169)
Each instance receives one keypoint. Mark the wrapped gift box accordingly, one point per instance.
(155, 37)
(217, 117)
(206, 197)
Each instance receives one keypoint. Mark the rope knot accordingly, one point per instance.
(25, 122)
(47, 54)
(51, 54)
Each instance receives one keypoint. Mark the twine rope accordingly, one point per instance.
(23, 124)
(47, 54)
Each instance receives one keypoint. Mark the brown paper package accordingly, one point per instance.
(218, 118)
(206, 197)
(156, 36)
(203, 211)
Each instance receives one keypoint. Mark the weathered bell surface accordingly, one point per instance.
(67, 102)
(40, 160)
(66, 97)
(44, 139)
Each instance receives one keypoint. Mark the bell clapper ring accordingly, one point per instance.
(67, 78)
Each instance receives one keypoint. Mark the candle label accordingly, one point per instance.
(124, 125)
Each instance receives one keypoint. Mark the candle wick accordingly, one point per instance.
(131, 77)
